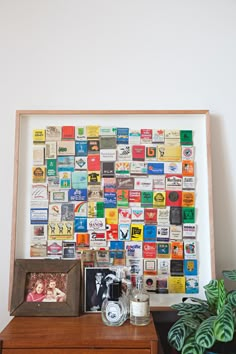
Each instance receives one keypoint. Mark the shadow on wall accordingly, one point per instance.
(222, 179)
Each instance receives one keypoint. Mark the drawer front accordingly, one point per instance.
(76, 351)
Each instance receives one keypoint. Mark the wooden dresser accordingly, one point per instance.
(76, 335)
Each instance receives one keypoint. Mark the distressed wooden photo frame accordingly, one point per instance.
(31, 274)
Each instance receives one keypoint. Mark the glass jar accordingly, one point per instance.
(139, 305)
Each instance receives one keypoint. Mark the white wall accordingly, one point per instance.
(126, 54)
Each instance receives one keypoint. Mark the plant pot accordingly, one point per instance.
(223, 349)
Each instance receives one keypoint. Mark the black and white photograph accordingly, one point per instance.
(97, 281)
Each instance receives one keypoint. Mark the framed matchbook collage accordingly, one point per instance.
(108, 189)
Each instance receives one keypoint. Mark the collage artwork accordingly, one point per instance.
(117, 196)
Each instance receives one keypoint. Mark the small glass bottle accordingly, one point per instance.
(113, 308)
(126, 294)
(139, 305)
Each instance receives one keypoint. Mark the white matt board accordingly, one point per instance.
(197, 121)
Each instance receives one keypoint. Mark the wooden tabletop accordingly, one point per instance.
(75, 332)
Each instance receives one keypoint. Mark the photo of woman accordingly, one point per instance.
(37, 294)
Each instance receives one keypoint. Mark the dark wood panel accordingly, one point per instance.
(74, 351)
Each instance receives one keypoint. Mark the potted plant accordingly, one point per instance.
(204, 323)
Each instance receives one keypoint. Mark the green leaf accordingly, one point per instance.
(231, 298)
(191, 347)
(189, 307)
(186, 313)
(195, 299)
(191, 322)
(203, 316)
(205, 334)
(177, 335)
(229, 274)
(224, 325)
(211, 293)
(221, 295)
(212, 286)
(199, 301)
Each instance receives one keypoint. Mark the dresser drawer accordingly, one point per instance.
(75, 351)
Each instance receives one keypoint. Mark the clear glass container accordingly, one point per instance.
(126, 294)
(139, 305)
(114, 311)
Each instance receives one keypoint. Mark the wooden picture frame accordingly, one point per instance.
(22, 305)
(196, 120)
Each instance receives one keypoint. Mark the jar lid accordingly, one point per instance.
(115, 290)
